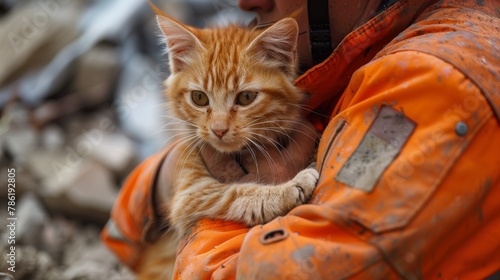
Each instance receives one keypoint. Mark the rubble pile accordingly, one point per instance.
(81, 104)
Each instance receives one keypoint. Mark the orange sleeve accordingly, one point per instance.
(409, 187)
(134, 219)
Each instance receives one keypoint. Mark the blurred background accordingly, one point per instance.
(80, 105)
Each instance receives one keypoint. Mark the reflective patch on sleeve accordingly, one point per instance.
(381, 144)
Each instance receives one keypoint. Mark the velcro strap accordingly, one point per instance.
(319, 30)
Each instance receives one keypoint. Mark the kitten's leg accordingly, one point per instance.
(259, 204)
(158, 259)
(249, 203)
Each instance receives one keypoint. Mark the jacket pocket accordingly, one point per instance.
(393, 167)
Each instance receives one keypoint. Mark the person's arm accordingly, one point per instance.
(408, 189)
(135, 219)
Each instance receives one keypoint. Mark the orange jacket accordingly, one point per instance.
(409, 162)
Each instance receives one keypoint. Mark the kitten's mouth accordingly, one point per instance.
(231, 146)
(227, 145)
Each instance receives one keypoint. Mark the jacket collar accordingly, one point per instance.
(325, 82)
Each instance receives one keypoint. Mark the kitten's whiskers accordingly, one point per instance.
(265, 153)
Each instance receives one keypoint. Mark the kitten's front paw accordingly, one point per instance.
(305, 182)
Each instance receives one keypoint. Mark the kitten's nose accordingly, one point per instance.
(219, 132)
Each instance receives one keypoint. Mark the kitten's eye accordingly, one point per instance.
(245, 97)
(199, 98)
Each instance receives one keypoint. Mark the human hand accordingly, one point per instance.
(270, 165)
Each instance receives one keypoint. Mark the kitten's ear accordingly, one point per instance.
(277, 45)
(182, 44)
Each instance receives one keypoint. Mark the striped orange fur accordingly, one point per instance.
(231, 89)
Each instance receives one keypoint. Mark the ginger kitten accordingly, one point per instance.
(230, 88)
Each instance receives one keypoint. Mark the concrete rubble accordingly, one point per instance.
(81, 104)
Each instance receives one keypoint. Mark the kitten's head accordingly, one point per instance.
(233, 86)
